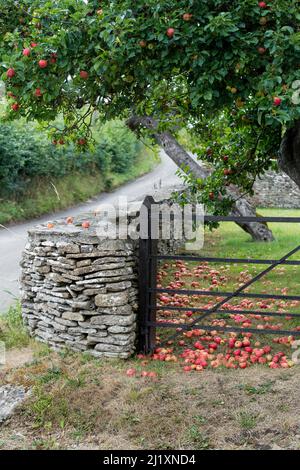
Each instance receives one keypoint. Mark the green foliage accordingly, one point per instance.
(119, 146)
(27, 155)
(231, 57)
(236, 151)
(44, 195)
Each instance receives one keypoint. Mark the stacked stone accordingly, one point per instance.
(79, 291)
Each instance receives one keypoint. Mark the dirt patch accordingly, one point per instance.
(80, 403)
(18, 357)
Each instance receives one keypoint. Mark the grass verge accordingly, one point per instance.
(12, 331)
(50, 195)
(105, 409)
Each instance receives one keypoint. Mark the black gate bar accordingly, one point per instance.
(224, 260)
(226, 294)
(262, 313)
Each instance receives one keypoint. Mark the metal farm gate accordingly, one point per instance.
(149, 259)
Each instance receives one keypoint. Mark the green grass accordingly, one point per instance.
(232, 242)
(246, 420)
(46, 196)
(229, 240)
(12, 331)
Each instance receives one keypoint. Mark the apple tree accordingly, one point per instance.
(163, 66)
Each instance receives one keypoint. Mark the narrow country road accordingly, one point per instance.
(13, 238)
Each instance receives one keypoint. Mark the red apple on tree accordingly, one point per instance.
(15, 107)
(26, 52)
(277, 101)
(53, 58)
(83, 74)
(43, 63)
(38, 93)
(187, 16)
(10, 73)
(261, 50)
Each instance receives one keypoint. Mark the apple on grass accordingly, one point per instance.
(131, 372)
(170, 32)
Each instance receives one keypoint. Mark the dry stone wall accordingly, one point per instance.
(79, 291)
(276, 190)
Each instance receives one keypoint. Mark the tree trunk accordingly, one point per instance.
(258, 231)
(289, 157)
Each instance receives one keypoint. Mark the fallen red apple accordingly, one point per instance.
(170, 32)
(130, 372)
(152, 375)
(86, 224)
